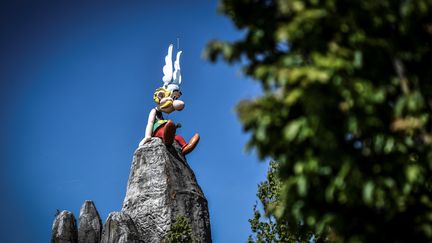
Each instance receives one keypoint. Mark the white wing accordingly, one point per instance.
(168, 68)
(177, 74)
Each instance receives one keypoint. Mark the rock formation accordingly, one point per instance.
(64, 228)
(120, 228)
(161, 186)
(90, 224)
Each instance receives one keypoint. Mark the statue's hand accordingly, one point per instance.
(145, 140)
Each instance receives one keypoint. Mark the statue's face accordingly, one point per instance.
(169, 101)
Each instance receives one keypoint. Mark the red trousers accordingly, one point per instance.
(160, 131)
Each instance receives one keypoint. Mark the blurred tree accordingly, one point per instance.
(346, 110)
(267, 228)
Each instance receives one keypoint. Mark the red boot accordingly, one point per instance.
(191, 145)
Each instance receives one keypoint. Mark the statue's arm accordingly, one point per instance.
(149, 127)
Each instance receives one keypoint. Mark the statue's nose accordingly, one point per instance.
(178, 105)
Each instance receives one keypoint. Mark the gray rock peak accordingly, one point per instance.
(64, 228)
(161, 186)
(90, 224)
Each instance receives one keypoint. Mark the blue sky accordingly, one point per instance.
(76, 87)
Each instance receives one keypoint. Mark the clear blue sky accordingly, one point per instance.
(76, 87)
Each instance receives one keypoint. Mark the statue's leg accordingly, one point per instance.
(180, 140)
(169, 130)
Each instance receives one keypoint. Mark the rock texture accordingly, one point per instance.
(90, 224)
(64, 228)
(161, 186)
(120, 228)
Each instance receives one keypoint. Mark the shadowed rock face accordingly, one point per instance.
(90, 224)
(64, 228)
(161, 186)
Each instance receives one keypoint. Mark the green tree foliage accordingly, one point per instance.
(180, 231)
(346, 110)
(267, 228)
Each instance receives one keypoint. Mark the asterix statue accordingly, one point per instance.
(167, 100)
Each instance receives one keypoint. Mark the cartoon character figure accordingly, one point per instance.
(167, 99)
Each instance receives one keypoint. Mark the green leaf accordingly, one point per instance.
(368, 192)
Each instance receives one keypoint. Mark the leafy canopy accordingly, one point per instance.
(346, 110)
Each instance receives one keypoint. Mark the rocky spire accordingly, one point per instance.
(90, 224)
(64, 228)
(161, 187)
